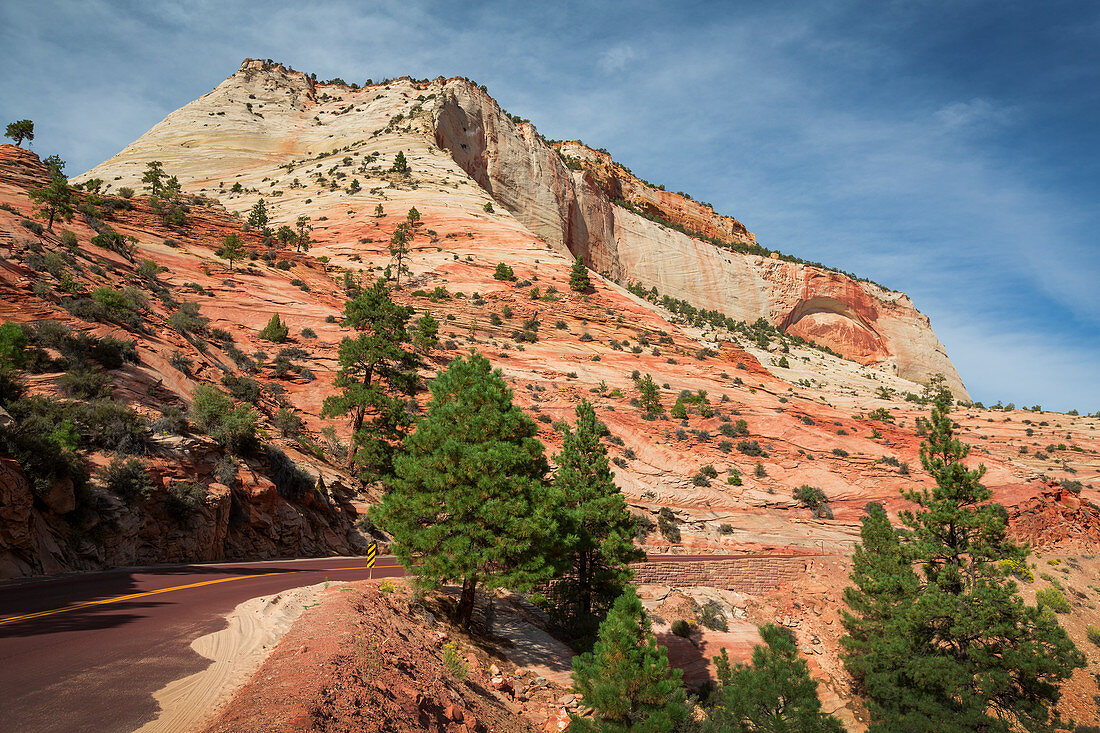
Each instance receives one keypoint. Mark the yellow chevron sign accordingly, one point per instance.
(372, 553)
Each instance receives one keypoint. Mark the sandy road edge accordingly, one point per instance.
(237, 651)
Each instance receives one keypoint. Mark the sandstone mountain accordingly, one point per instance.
(266, 126)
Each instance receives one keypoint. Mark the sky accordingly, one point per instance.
(947, 149)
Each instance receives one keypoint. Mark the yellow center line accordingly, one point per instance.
(143, 594)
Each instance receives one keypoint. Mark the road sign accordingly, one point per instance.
(372, 553)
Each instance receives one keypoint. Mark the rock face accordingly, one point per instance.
(575, 209)
(265, 117)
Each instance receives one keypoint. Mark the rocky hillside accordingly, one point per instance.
(266, 127)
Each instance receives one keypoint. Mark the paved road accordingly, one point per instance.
(86, 652)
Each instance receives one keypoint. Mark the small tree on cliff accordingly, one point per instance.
(20, 130)
(596, 529)
(53, 202)
(959, 651)
(774, 694)
(153, 177)
(400, 165)
(649, 397)
(413, 217)
(302, 241)
(376, 370)
(626, 677)
(399, 250)
(257, 217)
(578, 278)
(468, 502)
(231, 249)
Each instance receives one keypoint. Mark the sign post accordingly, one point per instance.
(372, 554)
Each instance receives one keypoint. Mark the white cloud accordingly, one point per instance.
(616, 58)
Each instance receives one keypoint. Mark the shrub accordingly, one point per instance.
(452, 656)
(1053, 599)
(309, 333)
(126, 192)
(185, 498)
(760, 471)
(751, 448)
(681, 628)
(666, 523)
(840, 452)
(811, 497)
(504, 272)
(127, 479)
(212, 412)
(244, 389)
(700, 480)
(710, 614)
(1093, 634)
(86, 383)
(734, 479)
(188, 319)
(287, 422)
(275, 331)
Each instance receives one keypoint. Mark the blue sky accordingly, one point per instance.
(947, 149)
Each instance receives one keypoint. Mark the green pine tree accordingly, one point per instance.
(400, 165)
(963, 652)
(774, 694)
(427, 333)
(596, 530)
(20, 130)
(376, 372)
(413, 217)
(469, 503)
(302, 241)
(578, 278)
(154, 176)
(649, 397)
(231, 250)
(275, 331)
(257, 217)
(399, 250)
(626, 677)
(55, 201)
(884, 587)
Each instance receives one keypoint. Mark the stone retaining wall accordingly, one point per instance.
(753, 575)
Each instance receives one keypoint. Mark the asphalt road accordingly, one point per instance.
(86, 652)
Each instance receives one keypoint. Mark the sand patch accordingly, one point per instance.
(255, 627)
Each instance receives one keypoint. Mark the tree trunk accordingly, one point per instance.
(466, 601)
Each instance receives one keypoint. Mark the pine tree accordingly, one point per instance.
(578, 278)
(400, 165)
(885, 586)
(626, 678)
(963, 653)
(257, 217)
(153, 177)
(55, 201)
(20, 130)
(596, 530)
(376, 370)
(302, 241)
(275, 331)
(231, 249)
(650, 398)
(378, 210)
(399, 250)
(774, 694)
(413, 217)
(469, 503)
(285, 235)
(427, 333)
